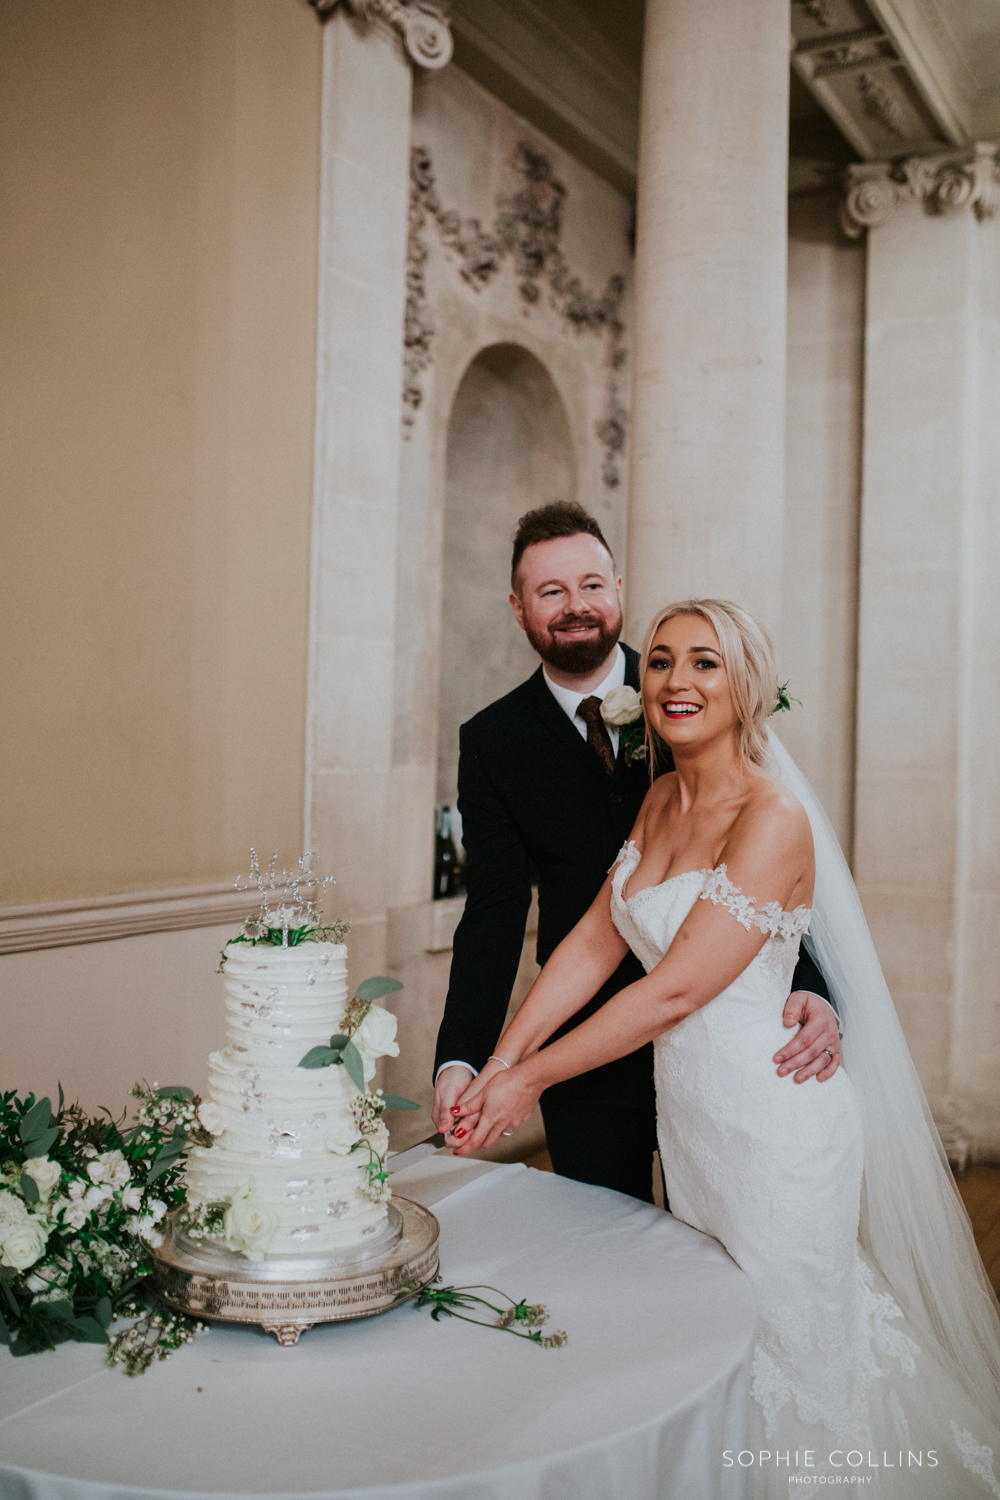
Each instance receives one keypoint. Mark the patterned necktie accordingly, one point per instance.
(597, 733)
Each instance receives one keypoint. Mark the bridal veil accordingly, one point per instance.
(914, 1230)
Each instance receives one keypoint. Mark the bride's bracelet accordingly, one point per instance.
(500, 1060)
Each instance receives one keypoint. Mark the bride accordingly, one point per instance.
(878, 1344)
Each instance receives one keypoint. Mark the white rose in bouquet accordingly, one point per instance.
(132, 1198)
(622, 705)
(96, 1197)
(112, 1168)
(211, 1116)
(247, 1224)
(45, 1174)
(341, 1136)
(376, 1037)
(75, 1212)
(23, 1244)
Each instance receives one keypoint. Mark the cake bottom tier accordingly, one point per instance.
(312, 1205)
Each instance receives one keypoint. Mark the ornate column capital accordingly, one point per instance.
(421, 25)
(945, 183)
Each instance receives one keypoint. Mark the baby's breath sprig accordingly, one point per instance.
(523, 1319)
(155, 1334)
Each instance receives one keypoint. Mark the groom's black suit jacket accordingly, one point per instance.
(536, 804)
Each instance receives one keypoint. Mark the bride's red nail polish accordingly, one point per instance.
(458, 1133)
(455, 1109)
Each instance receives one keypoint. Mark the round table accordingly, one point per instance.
(641, 1404)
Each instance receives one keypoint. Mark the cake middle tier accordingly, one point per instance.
(282, 1112)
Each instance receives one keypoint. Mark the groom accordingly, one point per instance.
(545, 792)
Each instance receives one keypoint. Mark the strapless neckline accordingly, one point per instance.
(776, 917)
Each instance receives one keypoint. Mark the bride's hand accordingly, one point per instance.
(493, 1110)
(463, 1107)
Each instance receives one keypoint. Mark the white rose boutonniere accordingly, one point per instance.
(23, 1244)
(622, 709)
(45, 1174)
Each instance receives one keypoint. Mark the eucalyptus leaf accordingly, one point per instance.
(39, 1145)
(159, 1169)
(338, 1043)
(319, 1057)
(396, 1101)
(29, 1189)
(62, 1098)
(175, 1091)
(103, 1313)
(11, 1300)
(376, 987)
(354, 1065)
(61, 1310)
(89, 1331)
(19, 1347)
(36, 1120)
(5, 1334)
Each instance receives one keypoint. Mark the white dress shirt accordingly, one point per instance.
(569, 699)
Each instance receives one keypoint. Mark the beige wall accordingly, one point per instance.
(160, 176)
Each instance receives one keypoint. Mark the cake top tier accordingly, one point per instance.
(282, 1001)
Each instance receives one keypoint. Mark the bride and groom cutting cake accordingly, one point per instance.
(662, 1011)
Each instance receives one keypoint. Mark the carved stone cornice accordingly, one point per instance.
(946, 182)
(421, 25)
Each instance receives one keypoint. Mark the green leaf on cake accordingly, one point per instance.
(376, 987)
(354, 1065)
(396, 1101)
(339, 1042)
(319, 1057)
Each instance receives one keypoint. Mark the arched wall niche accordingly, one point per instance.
(509, 449)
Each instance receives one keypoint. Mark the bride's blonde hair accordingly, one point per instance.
(748, 656)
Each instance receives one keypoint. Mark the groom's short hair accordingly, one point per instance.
(558, 518)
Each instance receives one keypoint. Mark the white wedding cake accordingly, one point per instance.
(296, 1163)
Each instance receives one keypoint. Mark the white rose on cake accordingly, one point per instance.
(376, 1037)
(248, 1225)
(45, 1174)
(23, 1244)
(341, 1136)
(211, 1116)
(622, 705)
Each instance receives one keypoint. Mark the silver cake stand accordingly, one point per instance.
(289, 1295)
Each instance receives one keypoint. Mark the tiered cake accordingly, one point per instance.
(295, 1168)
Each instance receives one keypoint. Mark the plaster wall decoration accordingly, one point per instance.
(945, 183)
(421, 25)
(526, 233)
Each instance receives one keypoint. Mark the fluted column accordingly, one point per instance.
(927, 841)
(707, 466)
(369, 47)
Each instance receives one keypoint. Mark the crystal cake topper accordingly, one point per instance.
(284, 888)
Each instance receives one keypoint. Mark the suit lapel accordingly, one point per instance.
(545, 708)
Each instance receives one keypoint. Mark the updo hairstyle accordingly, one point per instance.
(748, 656)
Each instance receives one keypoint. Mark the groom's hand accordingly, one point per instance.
(815, 1051)
(450, 1087)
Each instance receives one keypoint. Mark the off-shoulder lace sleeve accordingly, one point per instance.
(627, 851)
(771, 919)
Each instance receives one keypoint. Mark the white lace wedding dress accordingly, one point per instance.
(773, 1169)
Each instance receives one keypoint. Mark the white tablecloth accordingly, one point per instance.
(641, 1404)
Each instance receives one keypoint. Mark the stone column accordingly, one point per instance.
(707, 465)
(927, 837)
(367, 89)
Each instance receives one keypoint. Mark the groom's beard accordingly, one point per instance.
(575, 656)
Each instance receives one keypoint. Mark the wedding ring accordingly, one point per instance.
(506, 1132)
(828, 1053)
